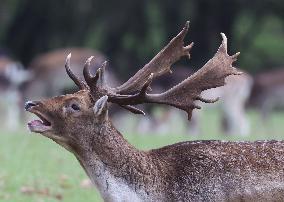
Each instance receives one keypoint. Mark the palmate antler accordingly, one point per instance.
(181, 96)
(159, 65)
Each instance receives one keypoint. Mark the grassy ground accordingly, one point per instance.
(34, 169)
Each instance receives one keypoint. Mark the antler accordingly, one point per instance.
(183, 95)
(159, 65)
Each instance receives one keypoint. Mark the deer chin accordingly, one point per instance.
(39, 126)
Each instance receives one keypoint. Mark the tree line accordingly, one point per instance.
(131, 32)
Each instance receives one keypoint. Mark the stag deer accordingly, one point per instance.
(188, 171)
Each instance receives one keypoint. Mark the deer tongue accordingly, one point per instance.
(38, 126)
(35, 123)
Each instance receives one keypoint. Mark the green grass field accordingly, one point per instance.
(35, 169)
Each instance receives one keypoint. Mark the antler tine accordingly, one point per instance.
(101, 80)
(235, 56)
(76, 79)
(159, 65)
(132, 109)
(96, 83)
(223, 47)
(183, 95)
(87, 74)
(223, 50)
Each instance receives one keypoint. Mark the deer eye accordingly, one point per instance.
(75, 107)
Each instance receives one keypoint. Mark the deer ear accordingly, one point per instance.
(100, 107)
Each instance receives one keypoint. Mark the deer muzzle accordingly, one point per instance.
(40, 125)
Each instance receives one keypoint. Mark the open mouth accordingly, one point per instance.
(39, 125)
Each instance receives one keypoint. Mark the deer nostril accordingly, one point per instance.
(30, 104)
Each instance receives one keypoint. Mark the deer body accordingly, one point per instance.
(189, 171)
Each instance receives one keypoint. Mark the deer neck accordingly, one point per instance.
(115, 166)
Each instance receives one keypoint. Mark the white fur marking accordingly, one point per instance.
(113, 189)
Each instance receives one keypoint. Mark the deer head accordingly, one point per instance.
(75, 120)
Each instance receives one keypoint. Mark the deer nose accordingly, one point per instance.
(30, 104)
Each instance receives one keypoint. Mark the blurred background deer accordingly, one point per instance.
(268, 92)
(49, 76)
(12, 77)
